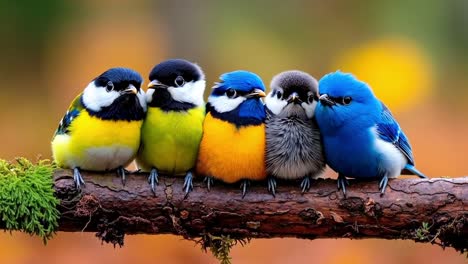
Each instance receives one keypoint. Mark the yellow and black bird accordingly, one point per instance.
(101, 129)
(173, 127)
(233, 144)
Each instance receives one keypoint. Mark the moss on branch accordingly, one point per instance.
(27, 201)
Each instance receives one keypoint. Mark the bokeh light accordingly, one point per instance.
(397, 70)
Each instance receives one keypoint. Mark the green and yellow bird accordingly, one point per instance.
(173, 127)
(101, 129)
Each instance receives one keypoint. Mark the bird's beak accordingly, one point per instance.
(156, 84)
(325, 100)
(256, 93)
(294, 98)
(130, 90)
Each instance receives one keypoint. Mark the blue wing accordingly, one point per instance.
(70, 115)
(389, 130)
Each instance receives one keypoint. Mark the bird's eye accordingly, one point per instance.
(179, 81)
(347, 100)
(231, 93)
(279, 95)
(109, 86)
(310, 98)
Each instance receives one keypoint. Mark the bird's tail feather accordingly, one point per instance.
(410, 169)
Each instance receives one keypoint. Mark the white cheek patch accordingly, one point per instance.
(309, 108)
(95, 98)
(224, 104)
(142, 98)
(149, 95)
(191, 92)
(274, 104)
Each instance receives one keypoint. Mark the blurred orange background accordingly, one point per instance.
(413, 53)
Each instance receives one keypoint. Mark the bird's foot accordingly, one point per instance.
(77, 178)
(305, 184)
(244, 185)
(153, 179)
(383, 185)
(121, 172)
(209, 182)
(342, 183)
(272, 186)
(188, 185)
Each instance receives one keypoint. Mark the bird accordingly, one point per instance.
(101, 129)
(361, 138)
(293, 143)
(232, 148)
(173, 126)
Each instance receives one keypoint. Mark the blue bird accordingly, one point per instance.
(361, 138)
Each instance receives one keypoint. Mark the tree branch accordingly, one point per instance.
(421, 210)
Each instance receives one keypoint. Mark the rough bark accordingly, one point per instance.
(422, 210)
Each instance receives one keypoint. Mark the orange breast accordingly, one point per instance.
(231, 154)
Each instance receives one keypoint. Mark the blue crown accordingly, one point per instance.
(243, 81)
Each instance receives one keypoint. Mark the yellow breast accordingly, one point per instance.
(229, 153)
(96, 144)
(170, 140)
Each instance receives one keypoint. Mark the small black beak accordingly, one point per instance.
(294, 98)
(257, 93)
(130, 90)
(156, 84)
(325, 100)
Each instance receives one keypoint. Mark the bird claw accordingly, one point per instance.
(342, 183)
(305, 184)
(272, 186)
(188, 185)
(77, 178)
(121, 171)
(383, 185)
(209, 182)
(153, 179)
(244, 185)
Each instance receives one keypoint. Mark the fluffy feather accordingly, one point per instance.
(172, 129)
(96, 144)
(233, 142)
(101, 129)
(240, 110)
(229, 153)
(191, 92)
(294, 148)
(170, 140)
(95, 98)
(361, 139)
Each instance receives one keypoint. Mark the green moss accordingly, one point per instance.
(220, 246)
(423, 233)
(27, 201)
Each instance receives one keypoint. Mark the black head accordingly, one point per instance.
(116, 94)
(176, 72)
(176, 85)
(119, 79)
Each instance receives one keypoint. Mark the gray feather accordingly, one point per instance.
(293, 146)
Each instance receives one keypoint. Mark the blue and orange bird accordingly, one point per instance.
(172, 129)
(233, 143)
(361, 138)
(101, 129)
